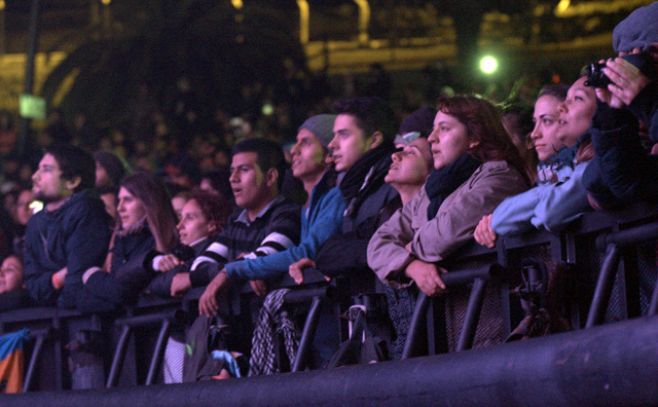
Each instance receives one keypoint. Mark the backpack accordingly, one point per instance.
(205, 336)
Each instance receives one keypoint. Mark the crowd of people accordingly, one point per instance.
(357, 197)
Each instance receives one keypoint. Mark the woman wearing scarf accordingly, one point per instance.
(476, 167)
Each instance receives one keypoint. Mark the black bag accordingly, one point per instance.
(362, 347)
(205, 335)
(542, 295)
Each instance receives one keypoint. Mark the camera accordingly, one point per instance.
(597, 79)
(595, 76)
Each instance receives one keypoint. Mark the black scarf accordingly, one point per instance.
(365, 176)
(444, 181)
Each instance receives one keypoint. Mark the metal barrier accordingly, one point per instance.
(40, 337)
(479, 279)
(127, 325)
(613, 364)
(615, 232)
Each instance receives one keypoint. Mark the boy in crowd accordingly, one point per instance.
(265, 222)
(321, 216)
(361, 151)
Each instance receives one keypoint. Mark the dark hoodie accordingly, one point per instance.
(75, 236)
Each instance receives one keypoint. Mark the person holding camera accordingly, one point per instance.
(627, 94)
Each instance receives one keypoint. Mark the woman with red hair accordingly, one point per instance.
(476, 167)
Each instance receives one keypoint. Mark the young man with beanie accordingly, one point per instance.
(72, 232)
(321, 215)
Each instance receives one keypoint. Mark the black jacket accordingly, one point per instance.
(368, 206)
(622, 171)
(161, 283)
(128, 275)
(75, 236)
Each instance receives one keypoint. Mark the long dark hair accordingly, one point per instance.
(160, 214)
(483, 125)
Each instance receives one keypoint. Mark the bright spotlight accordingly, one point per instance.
(267, 109)
(488, 65)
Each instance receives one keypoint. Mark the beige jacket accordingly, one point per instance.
(408, 235)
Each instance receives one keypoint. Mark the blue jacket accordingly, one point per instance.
(557, 168)
(514, 213)
(550, 206)
(322, 219)
(75, 236)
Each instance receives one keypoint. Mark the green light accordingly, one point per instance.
(32, 107)
(488, 65)
(267, 109)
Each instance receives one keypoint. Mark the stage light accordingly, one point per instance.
(488, 65)
(267, 109)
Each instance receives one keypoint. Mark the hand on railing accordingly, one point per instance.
(208, 304)
(296, 270)
(426, 276)
(484, 233)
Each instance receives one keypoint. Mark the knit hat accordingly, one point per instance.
(418, 124)
(322, 126)
(638, 30)
(113, 166)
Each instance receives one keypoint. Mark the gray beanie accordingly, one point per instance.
(638, 30)
(322, 126)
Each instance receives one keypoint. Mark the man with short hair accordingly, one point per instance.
(321, 216)
(70, 234)
(361, 151)
(265, 222)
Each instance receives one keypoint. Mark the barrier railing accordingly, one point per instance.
(51, 328)
(608, 365)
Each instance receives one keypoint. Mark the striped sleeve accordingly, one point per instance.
(274, 242)
(325, 223)
(282, 232)
(208, 263)
(216, 253)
